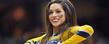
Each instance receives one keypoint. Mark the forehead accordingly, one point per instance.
(55, 6)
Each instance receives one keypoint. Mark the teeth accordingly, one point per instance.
(55, 20)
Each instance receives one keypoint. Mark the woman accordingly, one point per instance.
(62, 26)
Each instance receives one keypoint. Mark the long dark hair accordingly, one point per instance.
(69, 13)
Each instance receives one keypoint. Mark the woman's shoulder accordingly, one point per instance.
(34, 40)
(75, 29)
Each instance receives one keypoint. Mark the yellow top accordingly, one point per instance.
(74, 35)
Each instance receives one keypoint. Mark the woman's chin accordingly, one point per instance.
(55, 25)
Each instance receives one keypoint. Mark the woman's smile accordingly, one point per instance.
(55, 19)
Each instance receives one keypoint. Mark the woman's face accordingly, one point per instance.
(56, 14)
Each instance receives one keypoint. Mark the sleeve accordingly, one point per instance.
(30, 42)
(81, 33)
(35, 40)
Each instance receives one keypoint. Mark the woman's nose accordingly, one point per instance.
(54, 14)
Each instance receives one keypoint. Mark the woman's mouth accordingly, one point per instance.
(55, 20)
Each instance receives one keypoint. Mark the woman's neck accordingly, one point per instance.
(55, 29)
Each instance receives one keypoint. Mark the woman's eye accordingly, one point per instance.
(58, 11)
(50, 12)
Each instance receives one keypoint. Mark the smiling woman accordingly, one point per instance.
(62, 26)
(56, 15)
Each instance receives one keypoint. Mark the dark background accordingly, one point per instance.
(13, 31)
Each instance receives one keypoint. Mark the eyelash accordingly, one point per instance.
(56, 12)
(50, 12)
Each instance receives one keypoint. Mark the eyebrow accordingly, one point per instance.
(54, 9)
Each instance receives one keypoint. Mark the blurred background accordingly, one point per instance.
(21, 20)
